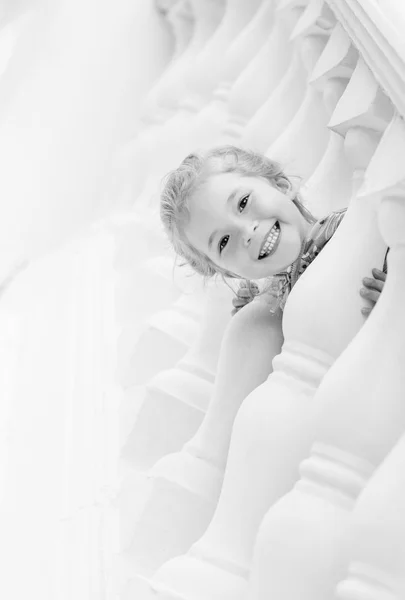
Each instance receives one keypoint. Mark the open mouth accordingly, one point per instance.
(271, 241)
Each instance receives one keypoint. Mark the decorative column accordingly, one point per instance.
(248, 77)
(173, 406)
(65, 156)
(306, 532)
(164, 98)
(174, 141)
(274, 428)
(329, 186)
(161, 341)
(376, 534)
(307, 41)
(302, 144)
(181, 19)
(176, 399)
(192, 479)
(261, 76)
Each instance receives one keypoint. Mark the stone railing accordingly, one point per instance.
(244, 476)
(71, 83)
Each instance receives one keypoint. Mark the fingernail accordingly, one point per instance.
(363, 291)
(377, 271)
(365, 311)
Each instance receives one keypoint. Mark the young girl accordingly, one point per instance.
(235, 213)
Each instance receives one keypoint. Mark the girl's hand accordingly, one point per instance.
(244, 295)
(372, 289)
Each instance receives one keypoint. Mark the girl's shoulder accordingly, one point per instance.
(324, 229)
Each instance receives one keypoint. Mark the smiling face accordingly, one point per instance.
(245, 225)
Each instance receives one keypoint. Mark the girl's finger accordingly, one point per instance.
(239, 303)
(371, 295)
(244, 294)
(373, 284)
(379, 274)
(366, 310)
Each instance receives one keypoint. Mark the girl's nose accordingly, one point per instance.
(249, 232)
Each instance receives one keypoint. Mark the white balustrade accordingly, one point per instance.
(253, 65)
(274, 427)
(261, 76)
(174, 140)
(309, 537)
(329, 186)
(204, 456)
(160, 343)
(316, 511)
(286, 98)
(377, 532)
(173, 406)
(376, 529)
(46, 79)
(70, 93)
(182, 20)
(164, 98)
(176, 399)
(302, 144)
(192, 478)
(62, 424)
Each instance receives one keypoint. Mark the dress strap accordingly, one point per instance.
(385, 266)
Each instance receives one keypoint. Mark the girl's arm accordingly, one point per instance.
(251, 341)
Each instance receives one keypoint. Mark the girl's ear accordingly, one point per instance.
(283, 184)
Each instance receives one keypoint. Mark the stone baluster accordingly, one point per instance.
(48, 79)
(208, 69)
(173, 406)
(168, 147)
(163, 100)
(331, 478)
(164, 423)
(273, 430)
(181, 20)
(238, 98)
(253, 65)
(376, 529)
(263, 129)
(329, 187)
(302, 144)
(162, 340)
(262, 76)
(376, 538)
(138, 295)
(192, 479)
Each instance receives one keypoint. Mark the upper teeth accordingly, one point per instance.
(270, 240)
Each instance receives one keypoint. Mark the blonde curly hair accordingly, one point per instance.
(183, 182)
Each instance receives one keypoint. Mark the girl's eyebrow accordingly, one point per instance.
(228, 202)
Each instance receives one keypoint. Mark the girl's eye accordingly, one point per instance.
(223, 242)
(242, 203)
